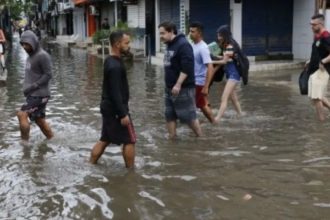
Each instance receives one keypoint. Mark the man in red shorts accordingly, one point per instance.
(203, 68)
(117, 126)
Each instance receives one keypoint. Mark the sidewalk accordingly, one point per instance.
(255, 66)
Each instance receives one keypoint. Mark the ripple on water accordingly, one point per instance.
(147, 195)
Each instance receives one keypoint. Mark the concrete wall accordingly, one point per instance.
(302, 37)
(236, 20)
(136, 15)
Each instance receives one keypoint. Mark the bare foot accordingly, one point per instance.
(25, 143)
(217, 119)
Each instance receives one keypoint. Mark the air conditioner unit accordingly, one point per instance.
(60, 7)
(68, 5)
(93, 10)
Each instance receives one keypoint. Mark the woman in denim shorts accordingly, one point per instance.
(233, 77)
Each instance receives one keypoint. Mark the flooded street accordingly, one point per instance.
(272, 163)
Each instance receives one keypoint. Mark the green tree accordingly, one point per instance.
(16, 7)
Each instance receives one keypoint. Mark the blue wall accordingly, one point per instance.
(212, 14)
(267, 26)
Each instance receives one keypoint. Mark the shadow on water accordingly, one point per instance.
(272, 163)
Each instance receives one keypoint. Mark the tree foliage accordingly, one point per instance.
(16, 7)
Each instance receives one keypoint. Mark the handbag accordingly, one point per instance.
(303, 82)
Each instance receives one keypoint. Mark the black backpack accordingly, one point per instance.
(242, 63)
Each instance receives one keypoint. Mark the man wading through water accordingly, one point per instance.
(179, 80)
(38, 72)
(117, 127)
(320, 60)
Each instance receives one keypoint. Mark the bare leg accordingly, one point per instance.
(234, 99)
(45, 128)
(24, 125)
(171, 127)
(129, 155)
(326, 102)
(319, 109)
(229, 88)
(194, 125)
(97, 151)
(208, 113)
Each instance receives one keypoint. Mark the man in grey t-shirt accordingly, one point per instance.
(203, 68)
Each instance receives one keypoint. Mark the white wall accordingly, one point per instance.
(236, 20)
(136, 15)
(79, 26)
(157, 22)
(302, 37)
(61, 24)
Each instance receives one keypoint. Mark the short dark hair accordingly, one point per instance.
(169, 27)
(116, 36)
(197, 25)
(318, 16)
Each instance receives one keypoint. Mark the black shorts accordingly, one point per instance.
(35, 106)
(115, 133)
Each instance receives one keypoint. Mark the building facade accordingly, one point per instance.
(262, 28)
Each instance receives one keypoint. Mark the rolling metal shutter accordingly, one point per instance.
(267, 26)
(136, 15)
(169, 10)
(212, 14)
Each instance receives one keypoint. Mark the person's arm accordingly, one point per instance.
(46, 68)
(177, 87)
(207, 61)
(209, 77)
(187, 67)
(325, 60)
(116, 95)
(227, 54)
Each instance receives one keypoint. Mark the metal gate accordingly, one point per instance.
(267, 27)
(169, 10)
(212, 14)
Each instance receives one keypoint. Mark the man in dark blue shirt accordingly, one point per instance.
(179, 80)
(117, 127)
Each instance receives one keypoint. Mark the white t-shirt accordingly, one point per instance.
(201, 58)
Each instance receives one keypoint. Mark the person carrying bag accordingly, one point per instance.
(319, 66)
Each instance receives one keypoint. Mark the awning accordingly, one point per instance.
(80, 2)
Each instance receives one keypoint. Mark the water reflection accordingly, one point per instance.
(277, 152)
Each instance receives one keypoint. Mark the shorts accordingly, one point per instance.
(201, 100)
(318, 84)
(182, 106)
(35, 106)
(232, 72)
(115, 133)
